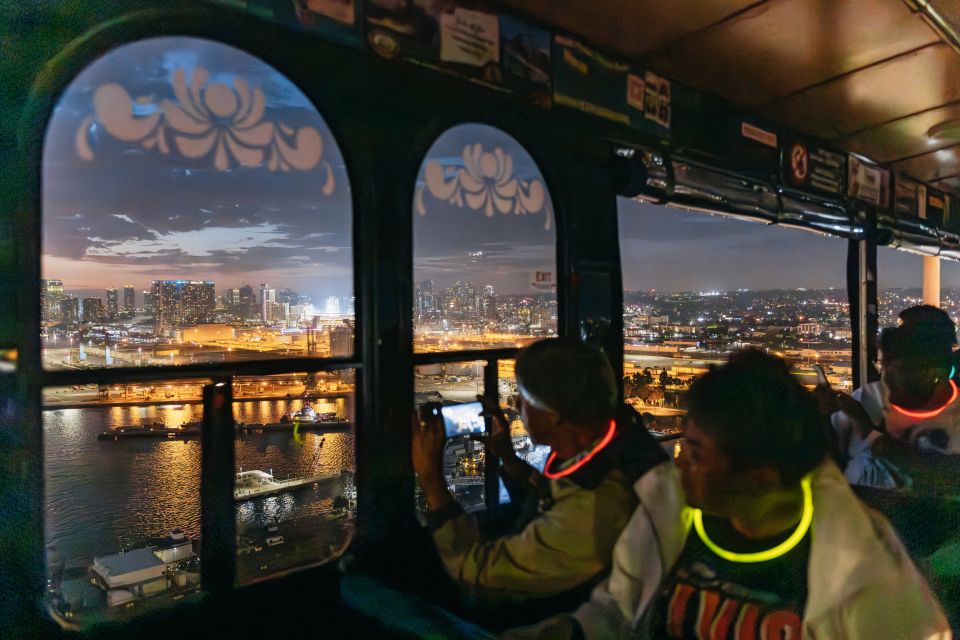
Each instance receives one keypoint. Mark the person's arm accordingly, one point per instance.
(647, 547)
(559, 550)
(499, 443)
(902, 606)
(426, 449)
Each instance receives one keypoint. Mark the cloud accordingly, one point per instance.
(200, 243)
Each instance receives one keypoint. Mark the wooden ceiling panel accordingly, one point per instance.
(631, 28)
(924, 79)
(932, 167)
(784, 46)
(903, 137)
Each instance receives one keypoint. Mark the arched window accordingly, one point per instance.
(484, 266)
(196, 220)
(484, 245)
(193, 198)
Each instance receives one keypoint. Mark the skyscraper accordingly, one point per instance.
(466, 298)
(129, 300)
(149, 303)
(341, 342)
(248, 302)
(424, 301)
(70, 310)
(288, 295)
(232, 299)
(93, 309)
(488, 303)
(51, 292)
(268, 296)
(332, 306)
(183, 302)
(113, 303)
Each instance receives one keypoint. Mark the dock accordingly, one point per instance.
(193, 431)
(256, 483)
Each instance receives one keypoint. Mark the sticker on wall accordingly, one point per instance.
(906, 197)
(470, 37)
(809, 166)
(867, 182)
(336, 20)
(525, 52)
(409, 28)
(589, 81)
(656, 102)
(636, 91)
(758, 134)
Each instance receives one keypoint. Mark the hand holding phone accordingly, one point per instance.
(462, 419)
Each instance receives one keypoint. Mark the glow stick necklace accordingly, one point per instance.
(768, 554)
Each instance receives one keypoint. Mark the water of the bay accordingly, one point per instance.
(104, 496)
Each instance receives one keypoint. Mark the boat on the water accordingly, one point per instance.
(151, 430)
(309, 415)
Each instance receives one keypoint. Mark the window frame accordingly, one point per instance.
(218, 552)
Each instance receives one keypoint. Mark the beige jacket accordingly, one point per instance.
(861, 583)
(567, 545)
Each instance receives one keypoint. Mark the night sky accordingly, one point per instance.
(675, 250)
(132, 215)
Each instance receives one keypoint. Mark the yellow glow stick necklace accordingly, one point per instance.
(773, 552)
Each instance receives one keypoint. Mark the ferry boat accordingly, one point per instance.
(309, 415)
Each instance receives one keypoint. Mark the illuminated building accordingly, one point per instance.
(70, 310)
(182, 302)
(341, 342)
(129, 300)
(113, 303)
(51, 292)
(423, 298)
(488, 303)
(332, 306)
(93, 310)
(268, 297)
(149, 305)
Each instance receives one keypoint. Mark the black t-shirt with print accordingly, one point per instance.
(706, 596)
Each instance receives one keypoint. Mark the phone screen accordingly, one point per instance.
(461, 419)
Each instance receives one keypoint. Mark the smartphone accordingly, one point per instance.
(462, 419)
(821, 376)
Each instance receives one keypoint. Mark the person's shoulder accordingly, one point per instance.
(869, 392)
(873, 397)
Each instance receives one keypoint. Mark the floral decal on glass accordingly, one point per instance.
(206, 117)
(485, 182)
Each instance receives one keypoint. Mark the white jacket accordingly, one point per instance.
(861, 582)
